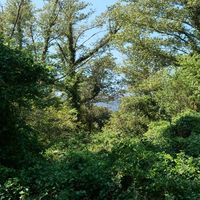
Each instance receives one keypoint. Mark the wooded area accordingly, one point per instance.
(58, 64)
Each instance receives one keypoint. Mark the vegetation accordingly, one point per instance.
(56, 142)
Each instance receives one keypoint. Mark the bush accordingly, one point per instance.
(13, 190)
(182, 135)
(134, 115)
(53, 123)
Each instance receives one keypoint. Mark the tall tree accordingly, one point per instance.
(48, 22)
(67, 26)
(65, 34)
(155, 32)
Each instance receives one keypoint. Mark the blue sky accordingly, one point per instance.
(98, 5)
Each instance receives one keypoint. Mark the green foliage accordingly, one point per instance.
(22, 82)
(156, 31)
(79, 175)
(160, 96)
(20, 76)
(182, 135)
(155, 175)
(6, 173)
(190, 72)
(178, 89)
(53, 123)
(149, 148)
(94, 118)
(18, 22)
(117, 167)
(12, 189)
(134, 115)
(161, 66)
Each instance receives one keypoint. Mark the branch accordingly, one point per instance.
(83, 31)
(102, 43)
(72, 51)
(53, 18)
(33, 41)
(17, 18)
(62, 52)
(90, 38)
(191, 39)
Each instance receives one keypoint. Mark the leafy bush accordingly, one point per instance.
(146, 174)
(78, 175)
(12, 189)
(182, 135)
(53, 123)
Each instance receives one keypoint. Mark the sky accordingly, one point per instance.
(98, 5)
(101, 5)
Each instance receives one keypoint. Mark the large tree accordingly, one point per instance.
(66, 35)
(66, 27)
(155, 32)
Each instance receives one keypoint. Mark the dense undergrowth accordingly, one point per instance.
(162, 164)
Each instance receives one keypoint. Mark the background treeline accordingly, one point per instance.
(58, 62)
